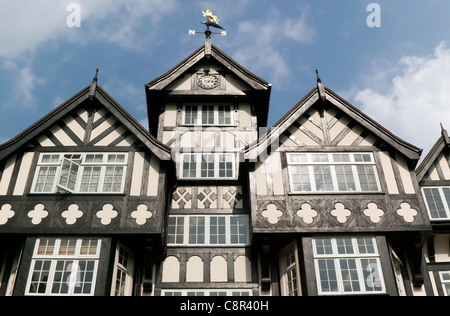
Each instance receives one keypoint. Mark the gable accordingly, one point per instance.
(329, 121)
(90, 118)
(436, 165)
(79, 129)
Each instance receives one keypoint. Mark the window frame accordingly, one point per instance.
(445, 283)
(185, 229)
(330, 162)
(227, 114)
(53, 259)
(196, 160)
(286, 272)
(206, 292)
(80, 160)
(335, 258)
(124, 270)
(444, 200)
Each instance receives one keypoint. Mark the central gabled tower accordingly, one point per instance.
(208, 108)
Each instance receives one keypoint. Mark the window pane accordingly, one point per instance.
(191, 115)
(367, 178)
(94, 158)
(208, 114)
(327, 276)
(366, 245)
(224, 114)
(344, 246)
(176, 230)
(45, 179)
(46, 246)
(207, 166)
(300, 179)
(344, 175)
(323, 246)
(196, 230)
(40, 276)
(62, 277)
(90, 179)
(349, 274)
(371, 272)
(217, 230)
(189, 166)
(69, 172)
(319, 157)
(434, 202)
(298, 158)
(225, 166)
(324, 181)
(239, 229)
(447, 196)
(113, 179)
(67, 247)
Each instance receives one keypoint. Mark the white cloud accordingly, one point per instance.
(24, 83)
(26, 24)
(417, 101)
(263, 51)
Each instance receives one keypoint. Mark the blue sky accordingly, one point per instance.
(396, 73)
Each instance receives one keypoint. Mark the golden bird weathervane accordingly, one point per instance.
(212, 21)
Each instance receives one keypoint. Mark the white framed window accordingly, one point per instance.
(332, 172)
(80, 173)
(289, 271)
(64, 266)
(208, 230)
(207, 166)
(204, 292)
(437, 200)
(208, 115)
(123, 272)
(347, 265)
(445, 281)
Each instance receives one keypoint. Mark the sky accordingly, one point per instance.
(391, 59)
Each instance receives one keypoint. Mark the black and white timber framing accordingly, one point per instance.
(207, 201)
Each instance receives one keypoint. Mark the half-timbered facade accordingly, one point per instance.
(82, 199)
(210, 202)
(433, 175)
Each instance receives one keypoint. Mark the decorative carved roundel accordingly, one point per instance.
(208, 81)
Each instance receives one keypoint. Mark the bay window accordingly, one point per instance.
(332, 172)
(347, 265)
(80, 173)
(204, 166)
(64, 266)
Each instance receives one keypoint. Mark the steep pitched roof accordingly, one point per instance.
(166, 79)
(88, 93)
(159, 89)
(323, 94)
(442, 143)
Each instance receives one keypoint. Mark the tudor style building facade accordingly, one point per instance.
(207, 202)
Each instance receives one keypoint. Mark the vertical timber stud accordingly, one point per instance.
(265, 266)
(148, 266)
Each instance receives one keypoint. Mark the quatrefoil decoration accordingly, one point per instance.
(272, 213)
(141, 214)
(6, 213)
(373, 212)
(37, 214)
(106, 214)
(72, 214)
(407, 212)
(341, 213)
(307, 213)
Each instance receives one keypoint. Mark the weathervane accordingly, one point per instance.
(212, 20)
